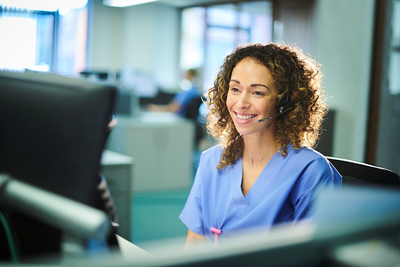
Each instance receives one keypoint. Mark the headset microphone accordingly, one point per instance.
(273, 116)
(282, 109)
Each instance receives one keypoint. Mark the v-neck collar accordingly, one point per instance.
(258, 188)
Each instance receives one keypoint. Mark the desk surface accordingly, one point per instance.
(131, 251)
(153, 119)
(113, 158)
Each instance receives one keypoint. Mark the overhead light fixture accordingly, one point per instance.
(43, 5)
(125, 3)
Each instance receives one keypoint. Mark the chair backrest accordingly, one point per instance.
(192, 113)
(193, 108)
(357, 173)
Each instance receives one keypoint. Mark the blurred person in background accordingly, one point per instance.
(190, 89)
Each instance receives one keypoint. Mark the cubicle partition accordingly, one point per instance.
(161, 144)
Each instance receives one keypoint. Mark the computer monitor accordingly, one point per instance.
(127, 103)
(52, 133)
(352, 227)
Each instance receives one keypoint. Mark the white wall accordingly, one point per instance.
(343, 45)
(143, 38)
(107, 38)
(151, 41)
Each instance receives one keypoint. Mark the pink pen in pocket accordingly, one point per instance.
(216, 233)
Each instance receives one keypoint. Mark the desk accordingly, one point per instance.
(131, 251)
(117, 170)
(162, 145)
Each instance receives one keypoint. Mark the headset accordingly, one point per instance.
(284, 105)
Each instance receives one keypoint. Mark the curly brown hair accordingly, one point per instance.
(293, 72)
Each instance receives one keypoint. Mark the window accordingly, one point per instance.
(43, 35)
(383, 146)
(394, 58)
(209, 33)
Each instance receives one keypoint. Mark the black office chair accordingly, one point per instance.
(357, 173)
(192, 113)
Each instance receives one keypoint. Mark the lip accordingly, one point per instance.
(244, 121)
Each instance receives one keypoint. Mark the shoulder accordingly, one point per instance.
(207, 173)
(314, 164)
(209, 161)
(212, 154)
(306, 156)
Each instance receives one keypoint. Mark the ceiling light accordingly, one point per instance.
(43, 5)
(125, 3)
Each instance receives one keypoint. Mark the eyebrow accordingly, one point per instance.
(253, 85)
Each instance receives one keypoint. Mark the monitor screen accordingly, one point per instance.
(52, 133)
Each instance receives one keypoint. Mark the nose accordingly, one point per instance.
(243, 101)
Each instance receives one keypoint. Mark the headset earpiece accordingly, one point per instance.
(281, 101)
(284, 103)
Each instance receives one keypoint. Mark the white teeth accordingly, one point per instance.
(245, 117)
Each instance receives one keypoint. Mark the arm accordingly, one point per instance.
(318, 174)
(171, 107)
(192, 214)
(194, 240)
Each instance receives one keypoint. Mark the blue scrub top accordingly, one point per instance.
(282, 193)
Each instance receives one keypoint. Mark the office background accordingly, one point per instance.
(340, 34)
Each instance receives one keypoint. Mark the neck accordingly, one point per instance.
(258, 150)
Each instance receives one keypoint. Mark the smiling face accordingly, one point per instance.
(251, 97)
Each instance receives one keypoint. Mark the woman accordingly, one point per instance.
(266, 108)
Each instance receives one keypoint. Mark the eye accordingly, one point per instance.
(259, 93)
(235, 90)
